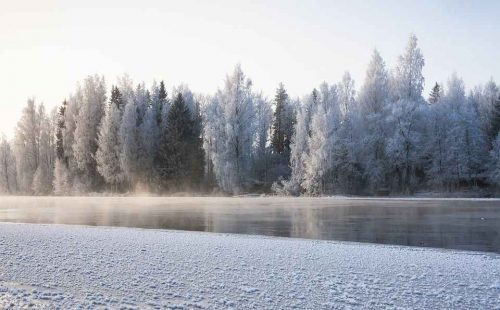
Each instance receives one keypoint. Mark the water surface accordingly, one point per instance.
(455, 224)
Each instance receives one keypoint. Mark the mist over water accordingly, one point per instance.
(455, 224)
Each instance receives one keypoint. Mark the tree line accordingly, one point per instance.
(385, 137)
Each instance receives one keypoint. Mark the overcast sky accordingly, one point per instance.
(47, 46)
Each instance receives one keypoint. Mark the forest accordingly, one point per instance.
(385, 137)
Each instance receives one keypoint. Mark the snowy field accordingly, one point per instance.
(50, 266)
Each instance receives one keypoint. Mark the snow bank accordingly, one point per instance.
(49, 266)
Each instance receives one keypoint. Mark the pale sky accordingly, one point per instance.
(47, 46)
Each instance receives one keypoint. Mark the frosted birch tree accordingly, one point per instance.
(373, 100)
(406, 85)
(232, 160)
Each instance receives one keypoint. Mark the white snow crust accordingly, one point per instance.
(58, 266)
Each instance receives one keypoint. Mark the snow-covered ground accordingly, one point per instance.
(48, 266)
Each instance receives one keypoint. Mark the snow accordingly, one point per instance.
(49, 266)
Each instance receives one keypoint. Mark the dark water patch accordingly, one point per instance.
(454, 224)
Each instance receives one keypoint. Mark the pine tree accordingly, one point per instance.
(435, 94)
(60, 130)
(174, 152)
(196, 152)
(162, 102)
(116, 98)
(280, 140)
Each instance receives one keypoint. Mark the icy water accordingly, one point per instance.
(455, 224)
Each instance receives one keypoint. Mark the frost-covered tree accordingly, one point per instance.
(109, 143)
(149, 134)
(347, 161)
(456, 143)
(43, 178)
(84, 147)
(8, 179)
(262, 162)
(211, 144)
(236, 113)
(298, 153)
(405, 118)
(26, 146)
(374, 101)
(299, 147)
(495, 117)
(408, 81)
(35, 150)
(67, 168)
(318, 162)
(129, 140)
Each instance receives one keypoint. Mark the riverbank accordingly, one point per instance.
(49, 266)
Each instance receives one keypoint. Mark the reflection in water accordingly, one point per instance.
(457, 224)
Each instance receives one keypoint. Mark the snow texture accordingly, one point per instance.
(56, 266)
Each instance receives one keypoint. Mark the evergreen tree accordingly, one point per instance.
(179, 136)
(116, 98)
(196, 152)
(59, 131)
(162, 102)
(280, 139)
(435, 94)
